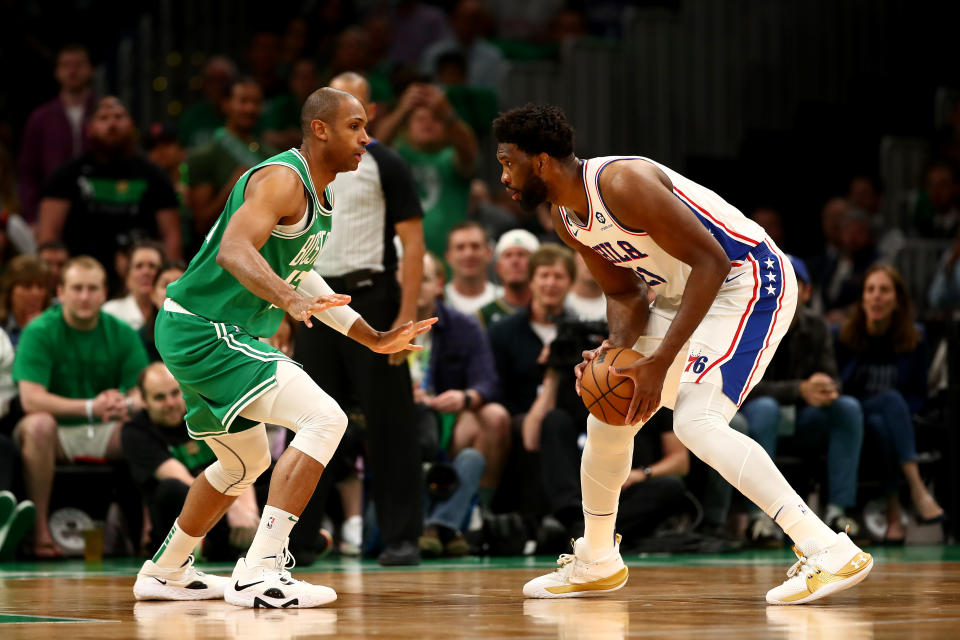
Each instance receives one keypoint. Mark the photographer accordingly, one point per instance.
(454, 381)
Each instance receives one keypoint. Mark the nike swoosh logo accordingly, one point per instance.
(735, 277)
(160, 580)
(240, 587)
(292, 519)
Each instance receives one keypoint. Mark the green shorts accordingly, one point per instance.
(221, 369)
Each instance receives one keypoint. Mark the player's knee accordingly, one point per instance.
(240, 471)
(495, 421)
(608, 440)
(38, 428)
(319, 433)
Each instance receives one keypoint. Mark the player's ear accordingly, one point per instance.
(319, 128)
(541, 161)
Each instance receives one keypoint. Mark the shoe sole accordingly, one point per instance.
(831, 588)
(256, 600)
(146, 588)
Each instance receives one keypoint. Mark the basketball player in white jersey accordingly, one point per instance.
(725, 296)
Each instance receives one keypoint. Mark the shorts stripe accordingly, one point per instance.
(236, 345)
(246, 399)
(743, 321)
(766, 342)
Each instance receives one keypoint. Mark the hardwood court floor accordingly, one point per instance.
(912, 593)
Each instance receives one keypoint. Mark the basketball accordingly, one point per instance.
(605, 395)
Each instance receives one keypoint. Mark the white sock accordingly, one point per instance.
(800, 522)
(175, 548)
(272, 534)
(604, 467)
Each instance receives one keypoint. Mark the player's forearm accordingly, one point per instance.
(675, 464)
(411, 275)
(250, 269)
(464, 143)
(702, 286)
(363, 333)
(627, 317)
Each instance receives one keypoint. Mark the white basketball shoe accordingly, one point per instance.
(577, 579)
(272, 587)
(820, 572)
(182, 583)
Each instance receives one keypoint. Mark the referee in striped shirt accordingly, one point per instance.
(371, 205)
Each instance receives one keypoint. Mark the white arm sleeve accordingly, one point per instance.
(337, 318)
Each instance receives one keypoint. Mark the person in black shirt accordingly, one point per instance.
(164, 461)
(110, 197)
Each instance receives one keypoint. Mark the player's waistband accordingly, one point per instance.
(175, 307)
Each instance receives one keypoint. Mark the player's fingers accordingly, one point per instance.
(631, 416)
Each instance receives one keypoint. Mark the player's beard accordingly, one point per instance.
(534, 193)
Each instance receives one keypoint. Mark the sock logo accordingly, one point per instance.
(271, 522)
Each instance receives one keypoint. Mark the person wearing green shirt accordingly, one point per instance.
(441, 150)
(76, 368)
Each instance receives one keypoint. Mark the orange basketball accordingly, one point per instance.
(605, 395)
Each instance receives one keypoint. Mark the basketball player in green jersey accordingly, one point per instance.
(255, 265)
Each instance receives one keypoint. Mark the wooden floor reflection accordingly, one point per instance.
(899, 600)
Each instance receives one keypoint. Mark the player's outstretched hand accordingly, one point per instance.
(588, 357)
(402, 337)
(303, 307)
(647, 374)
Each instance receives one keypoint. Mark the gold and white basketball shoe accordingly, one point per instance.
(577, 579)
(820, 572)
(182, 583)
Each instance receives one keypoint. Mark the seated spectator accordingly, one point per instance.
(945, 290)
(281, 120)
(416, 26)
(842, 274)
(55, 131)
(772, 222)
(107, 199)
(803, 376)
(214, 168)
(586, 300)
(77, 370)
(520, 342)
(158, 293)
(881, 355)
(512, 255)
(455, 376)
(54, 255)
(441, 150)
(24, 294)
(164, 461)
(199, 121)
(936, 213)
(137, 307)
(468, 254)
(486, 66)
(164, 150)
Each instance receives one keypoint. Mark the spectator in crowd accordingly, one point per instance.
(803, 376)
(77, 370)
(215, 167)
(881, 355)
(165, 275)
(842, 276)
(512, 255)
(281, 120)
(520, 341)
(771, 221)
(945, 289)
(137, 307)
(481, 207)
(476, 105)
(263, 56)
(164, 460)
(416, 26)
(470, 21)
(102, 202)
(864, 195)
(293, 45)
(165, 151)
(24, 294)
(455, 376)
(441, 150)
(54, 255)
(374, 205)
(469, 255)
(936, 213)
(586, 300)
(55, 131)
(198, 122)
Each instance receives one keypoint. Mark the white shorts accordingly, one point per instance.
(737, 338)
(86, 441)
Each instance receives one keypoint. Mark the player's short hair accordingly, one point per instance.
(83, 262)
(536, 129)
(322, 104)
(550, 254)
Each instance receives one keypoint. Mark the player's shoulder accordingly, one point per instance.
(626, 173)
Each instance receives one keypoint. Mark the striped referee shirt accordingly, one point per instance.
(368, 203)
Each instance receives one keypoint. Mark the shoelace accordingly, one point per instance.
(802, 567)
(285, 562)
(566, 562)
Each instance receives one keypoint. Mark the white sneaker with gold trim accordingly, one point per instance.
(577, 579)
(820, 572)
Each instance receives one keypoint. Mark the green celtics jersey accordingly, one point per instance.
(211, 292)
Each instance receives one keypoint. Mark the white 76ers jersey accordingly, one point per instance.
(634, 249)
